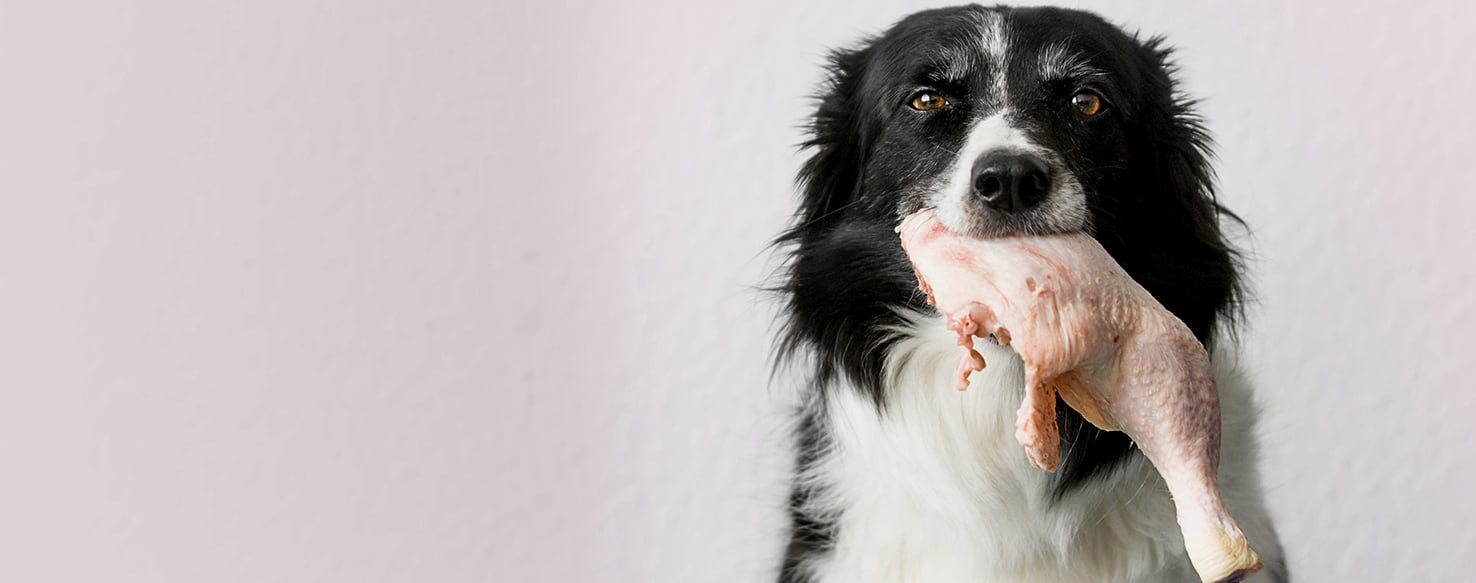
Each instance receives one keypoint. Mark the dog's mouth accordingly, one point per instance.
(968, 208)
(984, 223)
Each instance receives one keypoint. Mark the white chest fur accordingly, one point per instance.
(936, 489)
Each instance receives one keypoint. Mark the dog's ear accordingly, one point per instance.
(1180, 144)
(1182, 216)
(838, 138)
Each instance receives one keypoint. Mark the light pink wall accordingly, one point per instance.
(463, 291)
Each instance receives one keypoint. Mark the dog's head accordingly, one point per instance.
(1024, 121)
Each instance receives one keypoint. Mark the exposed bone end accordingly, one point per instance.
(1220, 555)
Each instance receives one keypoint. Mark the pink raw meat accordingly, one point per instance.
(1087, 331)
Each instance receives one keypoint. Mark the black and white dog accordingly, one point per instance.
(1004, 121)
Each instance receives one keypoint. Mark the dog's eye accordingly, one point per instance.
(1087, 103)
(928, 100)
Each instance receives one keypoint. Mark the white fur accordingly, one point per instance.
(1057, 61)
(996, 46)
(935, 488)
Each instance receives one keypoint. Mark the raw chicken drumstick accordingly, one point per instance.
(1085, 329)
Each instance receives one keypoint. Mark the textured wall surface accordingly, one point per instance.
(465, 291)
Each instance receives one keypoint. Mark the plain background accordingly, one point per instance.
(464, 291)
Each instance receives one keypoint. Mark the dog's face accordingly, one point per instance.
(999, 131)
(1004, 121)
(1015, 121)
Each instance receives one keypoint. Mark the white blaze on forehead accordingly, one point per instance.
(996, 45)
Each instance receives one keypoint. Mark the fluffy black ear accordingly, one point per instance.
(1194, 270)
(831, 178)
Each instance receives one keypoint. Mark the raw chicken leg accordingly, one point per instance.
(1085, 329)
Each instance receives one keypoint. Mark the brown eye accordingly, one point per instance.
(1087, 103)
(928, 101)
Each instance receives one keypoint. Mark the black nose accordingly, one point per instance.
(1011, 181)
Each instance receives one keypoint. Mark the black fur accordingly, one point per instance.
(1143, 166)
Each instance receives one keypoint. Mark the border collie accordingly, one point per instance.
(1003, 121)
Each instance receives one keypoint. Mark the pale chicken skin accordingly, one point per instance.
(1088, 331)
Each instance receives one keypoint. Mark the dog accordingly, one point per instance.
(1003, 121)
